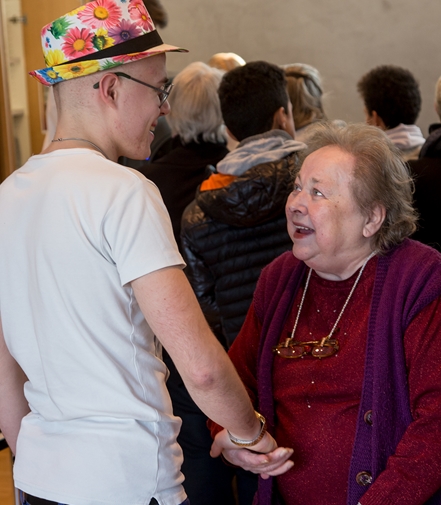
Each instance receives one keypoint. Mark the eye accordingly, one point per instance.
(316, 192)
(296, 187)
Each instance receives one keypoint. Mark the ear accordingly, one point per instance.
(374, 221)
(108, 89)
(375, 120)
(230, 134)
(283, 120)
(279, 119)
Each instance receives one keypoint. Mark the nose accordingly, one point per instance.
(165, 108)
(296, 203)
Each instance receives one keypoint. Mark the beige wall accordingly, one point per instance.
(342, 38)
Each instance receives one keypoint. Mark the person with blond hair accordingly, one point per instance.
(226, 61)
(306, 94)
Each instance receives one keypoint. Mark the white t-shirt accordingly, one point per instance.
(75, 230)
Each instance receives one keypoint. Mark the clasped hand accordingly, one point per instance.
(265, 458)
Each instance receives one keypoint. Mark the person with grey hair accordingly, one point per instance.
(305, 92)
(427, 176)
(199, 139)
(340, 348)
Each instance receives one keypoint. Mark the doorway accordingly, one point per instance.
(22, 100)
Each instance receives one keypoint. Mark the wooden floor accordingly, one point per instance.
(6, 486)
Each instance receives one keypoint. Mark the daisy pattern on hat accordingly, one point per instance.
(78, 43)
(139, 14)
(99, 35)
(78, 69)
(126, 30)
(100, 14)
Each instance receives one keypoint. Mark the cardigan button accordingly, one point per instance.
(363, 478)
(368, 418)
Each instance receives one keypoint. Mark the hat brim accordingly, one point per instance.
(70, 70)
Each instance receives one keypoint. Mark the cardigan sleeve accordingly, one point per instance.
(413, 473)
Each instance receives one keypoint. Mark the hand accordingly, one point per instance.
(265, 458)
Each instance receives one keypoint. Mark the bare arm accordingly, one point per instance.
(13, 405)
(172, 311)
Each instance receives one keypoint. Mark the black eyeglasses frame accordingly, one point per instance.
(163, 93)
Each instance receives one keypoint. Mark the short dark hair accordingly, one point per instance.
(393, 93)
(249, 97)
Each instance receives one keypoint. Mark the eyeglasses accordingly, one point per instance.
(323, 348)
(162, 92)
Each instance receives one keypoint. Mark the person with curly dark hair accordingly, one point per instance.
(392, 102)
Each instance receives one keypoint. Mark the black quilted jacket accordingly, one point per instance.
(229, 234)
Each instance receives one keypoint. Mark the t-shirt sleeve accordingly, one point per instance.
(137, 232)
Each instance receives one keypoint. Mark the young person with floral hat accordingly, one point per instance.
(92, 285)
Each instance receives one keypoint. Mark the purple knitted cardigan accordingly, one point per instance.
(407, 279)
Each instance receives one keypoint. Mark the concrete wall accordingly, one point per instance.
(342, 38)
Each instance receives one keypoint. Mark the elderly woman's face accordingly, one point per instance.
(327, 228)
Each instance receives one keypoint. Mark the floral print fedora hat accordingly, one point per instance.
(99, 35)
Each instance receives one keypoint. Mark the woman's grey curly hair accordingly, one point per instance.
(380, 176)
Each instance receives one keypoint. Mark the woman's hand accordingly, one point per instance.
(265, 458)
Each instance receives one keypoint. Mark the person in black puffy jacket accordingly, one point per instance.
(235, 226)
(426, 171)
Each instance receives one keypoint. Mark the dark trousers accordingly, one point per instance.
(207, 480)
(26, 499)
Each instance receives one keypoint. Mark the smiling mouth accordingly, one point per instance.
(303, 229)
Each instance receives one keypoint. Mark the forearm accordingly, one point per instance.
(171, 309)
(243, 354)
(220, 394)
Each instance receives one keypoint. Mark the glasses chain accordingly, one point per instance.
(344, 306)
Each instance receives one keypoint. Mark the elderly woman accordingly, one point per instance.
(305, 92)
(340, 348)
